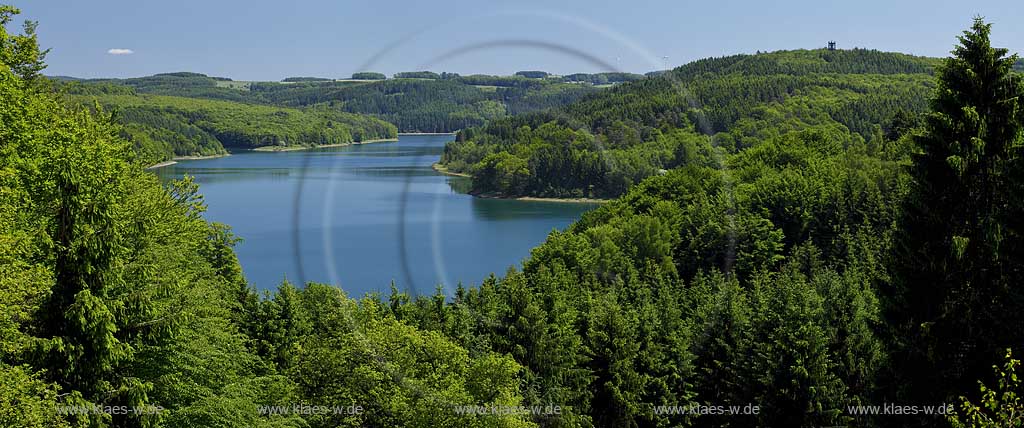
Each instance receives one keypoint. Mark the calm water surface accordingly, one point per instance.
(364, 215)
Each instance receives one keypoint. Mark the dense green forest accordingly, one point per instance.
(181, 84)
(804, 270)
(411, 104)
(162, 127)
(600, 146)
(602, 78)
(430, 105)
(368, 75)
(417, 75)
(413, 101)
(533, 74)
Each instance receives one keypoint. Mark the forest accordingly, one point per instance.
(602, 78)
(417, 75)
(430, 105)
(413, 101)
(305, 79)
(601, 146)
(368, 75)
(804, 269)
(162, 127)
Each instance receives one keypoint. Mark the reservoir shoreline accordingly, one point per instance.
(322, 146)
(444, 170)
(441, 169)
(175, 160)
(269, 149)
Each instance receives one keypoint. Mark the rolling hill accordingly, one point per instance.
(602, 144)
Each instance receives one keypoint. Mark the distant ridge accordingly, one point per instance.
(801, 62)
(600, 145)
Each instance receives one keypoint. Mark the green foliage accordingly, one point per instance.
(735, 278)
(161, 127)
(960, 232)
(368, 75)
(344, 352)
(109, 295)
(620, 134)
(306, 79)
(532, 74)
(76, 87)
(425, 104)
(180, 84)
(602, 78)
(414, 101)
(26, 401)
(115, 292)
(999, 407)
(748, 267)
(417, 75)
(412, 105)
(20, 52)
(803, 62)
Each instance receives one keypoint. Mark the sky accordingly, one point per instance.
(262, 40)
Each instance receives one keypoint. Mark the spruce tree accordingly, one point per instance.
(956, 302)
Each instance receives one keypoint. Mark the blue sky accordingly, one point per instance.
(262, 40)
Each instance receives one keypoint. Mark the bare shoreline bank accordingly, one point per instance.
(181, 158)
(175, 160)
(161, 164)
(537, 199)
(296, 148)
(266, 149)
(441, 169)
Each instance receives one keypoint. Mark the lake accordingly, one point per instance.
(361, 216)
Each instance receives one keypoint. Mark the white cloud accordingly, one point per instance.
(120, 51)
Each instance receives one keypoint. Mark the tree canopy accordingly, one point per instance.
(163, 127)
(605, 143)
(368, 75)
(806, 262)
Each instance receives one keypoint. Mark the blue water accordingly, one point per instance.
(364, 215)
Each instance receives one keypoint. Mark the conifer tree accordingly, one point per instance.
(957, 303)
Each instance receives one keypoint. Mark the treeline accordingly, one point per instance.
(521, 100)
(476, 79)
(306, 79)
(180, 84)
(532, 74)
(500, 81)
(163, 127)
(425, 105)
(412, 105)
(803, 62)
(610, 137)
(368, 75)
(417, 75)
(602, 78)
(414, 101)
